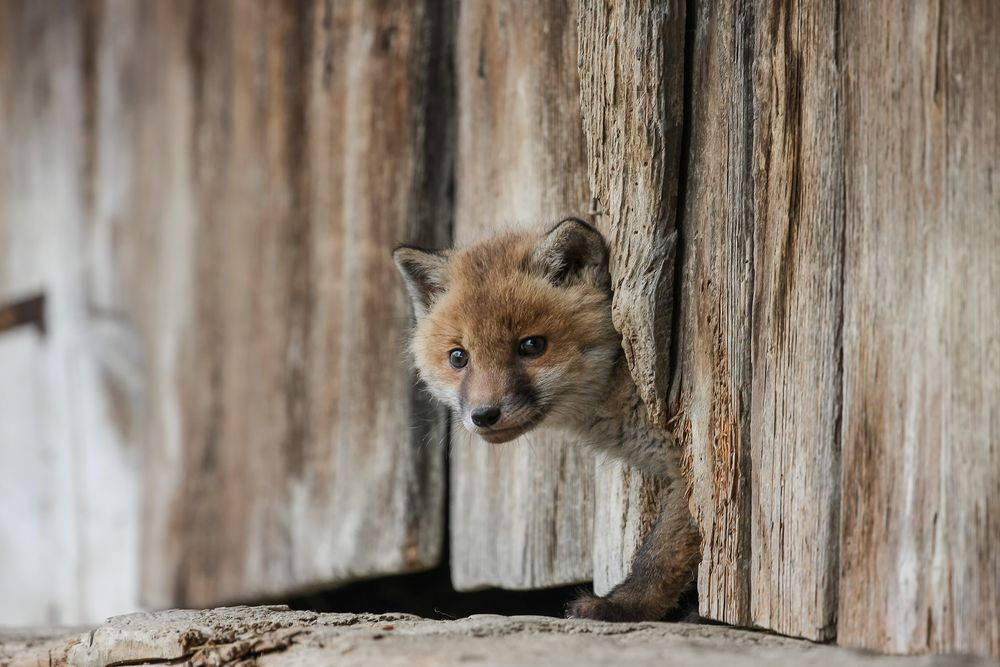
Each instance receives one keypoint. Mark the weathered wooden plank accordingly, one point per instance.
(716, 240)
(921, 429)
(289, 446)
(632, 91)
(69, 400)
(759, 360)
(521, 514)
(798, 218)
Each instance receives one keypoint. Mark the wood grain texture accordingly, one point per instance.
(798, 213)
(631, 61)
(759, 359)
(290, 147)
(70, 401)
(521, 514)
(716, 238)
(632, 92)
(920, 563)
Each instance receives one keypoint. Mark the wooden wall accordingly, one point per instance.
(631, 60)
(801, 200)
(301, 453)
(521, 514)
(920, 538)
(215, 188)
(762, 237)
(71, 400)
(838, 251)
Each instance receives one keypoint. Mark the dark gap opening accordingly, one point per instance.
(431, 595)
(683, 174)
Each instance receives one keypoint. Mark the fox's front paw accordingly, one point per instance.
(596, 609)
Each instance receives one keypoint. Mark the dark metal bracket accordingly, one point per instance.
(26, 312)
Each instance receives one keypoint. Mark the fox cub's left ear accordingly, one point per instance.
(573, 252)
(425, 273)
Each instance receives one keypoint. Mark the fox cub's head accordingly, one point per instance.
(516, 329)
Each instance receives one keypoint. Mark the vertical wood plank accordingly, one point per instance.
(921, 430)
(69, 401)
(521, 514)
(381, 160)
(761, 247)
(797, 313)
(716, 240)
(290, 448)
(632, 92)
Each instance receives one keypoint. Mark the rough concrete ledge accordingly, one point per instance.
(276, 636)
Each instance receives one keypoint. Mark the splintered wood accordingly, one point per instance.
(760, 310)
(798, 213)
(715, 308)
(839, 250)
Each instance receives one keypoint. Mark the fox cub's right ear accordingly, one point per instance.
(573, 252)
(425, 273)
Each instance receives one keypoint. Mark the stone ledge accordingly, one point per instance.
(276, 636)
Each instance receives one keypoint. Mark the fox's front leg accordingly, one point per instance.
(663, 567)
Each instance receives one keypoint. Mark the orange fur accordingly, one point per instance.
(485, 300)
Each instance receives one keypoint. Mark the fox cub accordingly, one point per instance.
(515, 333)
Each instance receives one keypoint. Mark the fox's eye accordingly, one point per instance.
(458, 358)
(532, 346)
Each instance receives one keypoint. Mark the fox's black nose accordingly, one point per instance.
(487, 416)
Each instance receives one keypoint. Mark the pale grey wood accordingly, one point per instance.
(631, 62)
(190, 184)
(798, 215)
(632, 93)
(166, 184)
(521, 513)
(921, 428)
(715, 314)
(286, 148)
(69, 400)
